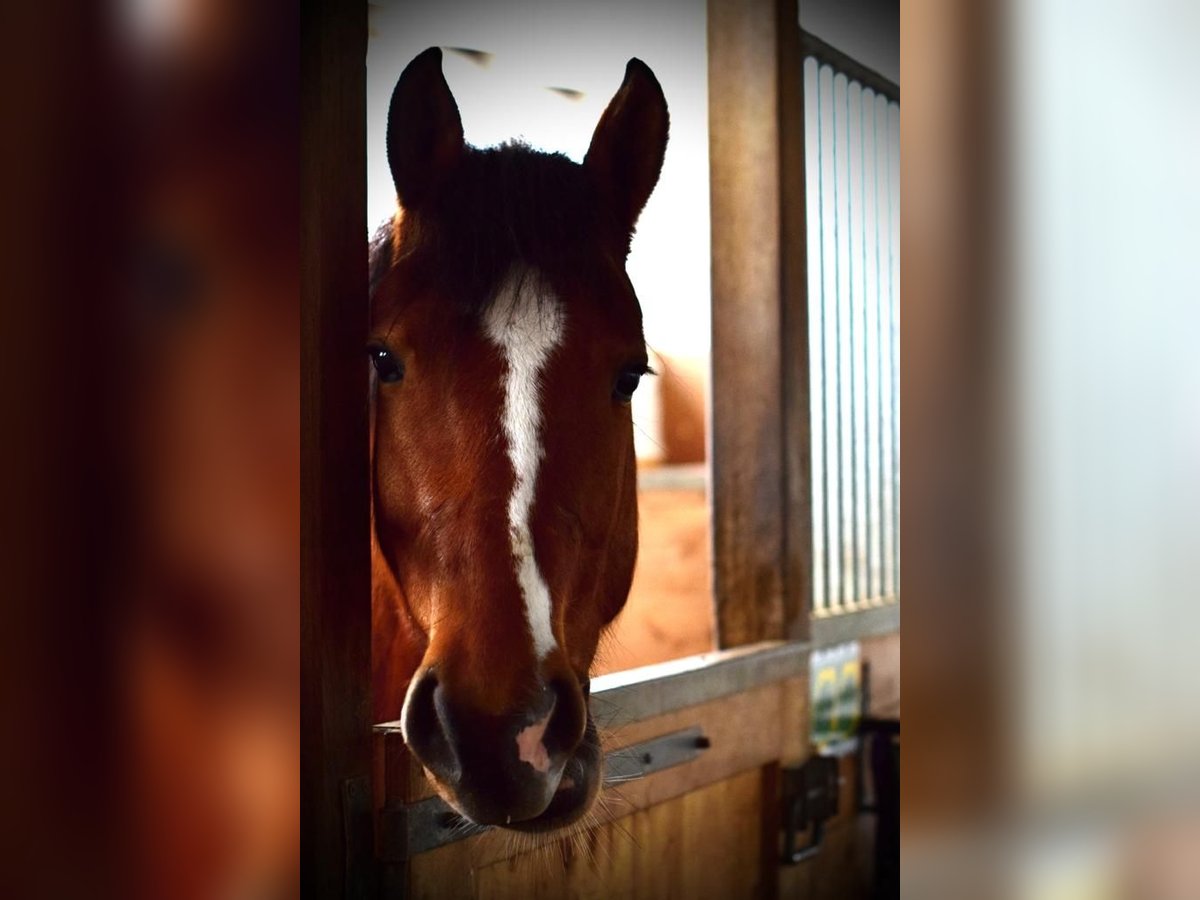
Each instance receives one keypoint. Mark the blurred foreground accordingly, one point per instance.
(211, 654)
(151, 467)
(1051, 435)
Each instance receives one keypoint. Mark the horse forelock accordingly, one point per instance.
(507, 208)
(380, 254)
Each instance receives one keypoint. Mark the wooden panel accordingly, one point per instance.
(705, 844)
(747, 393)
(335, 569)
(882, 654)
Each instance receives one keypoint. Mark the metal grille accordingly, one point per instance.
(852, 171)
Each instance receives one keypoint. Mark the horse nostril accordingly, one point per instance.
(567, 721)
(427, 729)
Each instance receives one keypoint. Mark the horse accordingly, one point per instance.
(506, 343)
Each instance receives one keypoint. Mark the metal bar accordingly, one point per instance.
(852, 626)
(894, 338)
(871, 347)
(832, 454)
(845, 378)
(640, 760)
(827, 54)
(406, 831)
(887, 293)
(858, 342)
(881, 376)
(815, 260)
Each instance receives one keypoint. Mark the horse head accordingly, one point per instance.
(507, 342)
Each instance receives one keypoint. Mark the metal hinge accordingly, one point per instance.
(810, 797)
(408, 830)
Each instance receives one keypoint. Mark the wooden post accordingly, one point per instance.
(759, 434)
(335, 566)
(797, 418)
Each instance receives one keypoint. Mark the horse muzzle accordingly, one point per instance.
(535, 768)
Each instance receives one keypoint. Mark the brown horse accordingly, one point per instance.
(507, 341)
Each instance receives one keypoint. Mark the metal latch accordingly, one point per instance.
(640, 760)
(810, 797)
(431, 823)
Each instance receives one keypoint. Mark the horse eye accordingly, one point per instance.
(627, 383)
(387, 367)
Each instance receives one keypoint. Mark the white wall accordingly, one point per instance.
(583, 47)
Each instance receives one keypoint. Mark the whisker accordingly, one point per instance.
(588, 838)
(604, 846)
(616, 823)
(650, 437)
(613, 793)
(668, 372)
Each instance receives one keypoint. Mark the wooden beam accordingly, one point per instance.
(759, 437)
(335, 567)
(797, 418)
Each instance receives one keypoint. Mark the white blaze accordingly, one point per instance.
(526, 323)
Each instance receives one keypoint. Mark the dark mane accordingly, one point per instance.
(379, 254)
(503, 206)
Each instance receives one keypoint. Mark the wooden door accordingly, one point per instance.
(706, 825)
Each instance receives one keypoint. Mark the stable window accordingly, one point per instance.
(852, 178)
(543, 76)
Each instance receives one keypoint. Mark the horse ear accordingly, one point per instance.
(424, 130)
(626, 153)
